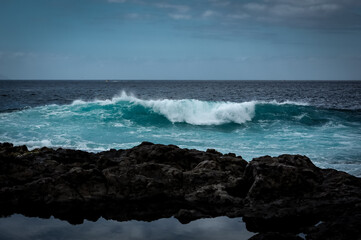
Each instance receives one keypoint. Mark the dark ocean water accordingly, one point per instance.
(320, 119)
(345, 95)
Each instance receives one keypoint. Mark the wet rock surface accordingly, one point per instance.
(278, 197)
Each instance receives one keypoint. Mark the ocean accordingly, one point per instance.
(319, 119)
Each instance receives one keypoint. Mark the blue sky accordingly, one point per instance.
(167, 39)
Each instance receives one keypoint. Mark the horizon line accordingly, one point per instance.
(180, 79)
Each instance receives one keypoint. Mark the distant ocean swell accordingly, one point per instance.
(251, 129)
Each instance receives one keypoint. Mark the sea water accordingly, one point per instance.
(23, 228)
(319, 119)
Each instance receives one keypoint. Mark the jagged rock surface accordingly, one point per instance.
(278, 197)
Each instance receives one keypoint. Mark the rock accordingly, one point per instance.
(342, 227)
(288, 194)
(287, 175)
(277, 197)
(148, 174)
(275, 236)
(185, 215)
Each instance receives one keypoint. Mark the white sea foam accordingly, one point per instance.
(196, 112)
(31, 144)
(286, 102)
(299, 117)
(78, 102)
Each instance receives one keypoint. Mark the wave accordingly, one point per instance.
(192, 111)
(125, 109)
(197, 112)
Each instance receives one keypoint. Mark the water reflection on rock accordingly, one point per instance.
(20, 227)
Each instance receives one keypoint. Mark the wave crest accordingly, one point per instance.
(196, 112)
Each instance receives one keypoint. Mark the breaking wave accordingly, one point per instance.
(191, 111)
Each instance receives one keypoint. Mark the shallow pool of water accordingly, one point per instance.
(20, 227)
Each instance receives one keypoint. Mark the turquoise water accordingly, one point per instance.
(330, 137)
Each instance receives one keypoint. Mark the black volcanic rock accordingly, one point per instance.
(287, 175)
(277, 196)
(275, 236)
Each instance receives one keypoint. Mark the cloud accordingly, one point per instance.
(210, 13)
(179, 8)
(312, 2)
(292, 11)
(288, 9)
(306, 13)
(117, 1)
(238, 16)
(180, 16)
(257, 7)
(321, 14)
(222, 4)
(132, 16)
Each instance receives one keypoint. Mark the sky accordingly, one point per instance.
(173, 40)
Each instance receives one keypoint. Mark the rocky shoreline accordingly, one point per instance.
(278, 197)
